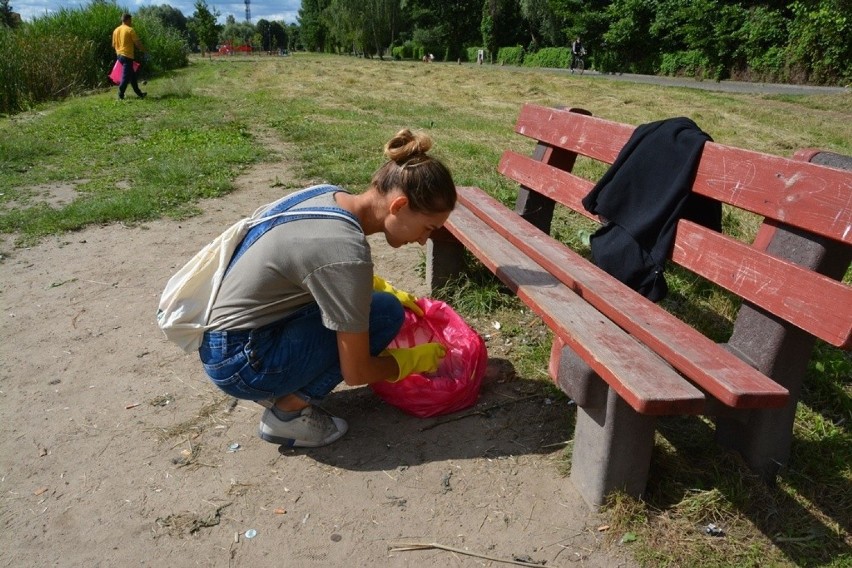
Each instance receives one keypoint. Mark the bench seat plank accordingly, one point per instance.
(639, 376)
(774, 284)
(712, 368)
(808, 196)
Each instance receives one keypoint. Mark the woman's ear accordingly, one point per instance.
(398, 203)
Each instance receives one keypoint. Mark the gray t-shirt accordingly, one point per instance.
(326, 261)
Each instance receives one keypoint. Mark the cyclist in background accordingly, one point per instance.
(577, 53)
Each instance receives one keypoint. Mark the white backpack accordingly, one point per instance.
(188, 298)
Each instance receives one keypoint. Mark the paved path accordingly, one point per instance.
(726, 86)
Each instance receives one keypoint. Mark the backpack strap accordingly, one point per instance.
(284, 212)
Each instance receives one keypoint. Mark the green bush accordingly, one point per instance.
(692, 63)
(11, 80)
(557, 57)
(31, 74)
(70, 52)
(605, 61)
(409, 50)
(820, 41)
(166, 46)
(472, 52)
(92, 24)
(510, 55)
(769, 66)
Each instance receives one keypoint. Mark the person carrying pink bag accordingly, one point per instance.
(126, 43)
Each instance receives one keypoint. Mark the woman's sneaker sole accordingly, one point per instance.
(312, 429)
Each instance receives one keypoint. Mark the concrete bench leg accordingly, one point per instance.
(612, 442)
(780, 351)
(444, 258)
(763, 436)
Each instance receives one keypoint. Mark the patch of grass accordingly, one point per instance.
(760, 525)
(134, 161)
(146, 159)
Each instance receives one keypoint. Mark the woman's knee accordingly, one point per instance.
(386, 317)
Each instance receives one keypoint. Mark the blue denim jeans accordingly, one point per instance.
(296, 355)
(128, 77)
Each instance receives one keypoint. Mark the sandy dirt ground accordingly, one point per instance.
(117, 451)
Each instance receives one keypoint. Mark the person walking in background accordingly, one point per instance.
(126, 43)
(577, 52)
(299, 309)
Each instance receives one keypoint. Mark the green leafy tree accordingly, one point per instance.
(237, 33)
(294, 37)
(170, 17)
(262, 28)
(764, 36)
(362, 26)
(542, 23)
(383, 19)
(313, 30)
(203, 25)
(821, 39)
(277, 36)
(7, 16)
(487, 25)
(627, 38)
(445, 27)
(501, 25)
(345, 21)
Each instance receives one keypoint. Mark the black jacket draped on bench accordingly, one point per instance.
(642, 196)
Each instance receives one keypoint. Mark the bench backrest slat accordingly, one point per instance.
(559, 185)
(809, 196)
(776, 285)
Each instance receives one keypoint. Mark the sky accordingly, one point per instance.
(271, 10)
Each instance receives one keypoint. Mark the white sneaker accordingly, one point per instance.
(313, 428)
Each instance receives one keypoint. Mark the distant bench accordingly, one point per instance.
(622, 358)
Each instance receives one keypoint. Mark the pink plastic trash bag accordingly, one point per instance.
(455, 385)
(117, 70)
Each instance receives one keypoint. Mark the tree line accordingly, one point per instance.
(80, 52)
(203, 33)
(781, 41)
(804, 41)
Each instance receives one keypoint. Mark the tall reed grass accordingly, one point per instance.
(70, 52)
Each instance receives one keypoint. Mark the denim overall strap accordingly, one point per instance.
(283, 212)
(290, 201)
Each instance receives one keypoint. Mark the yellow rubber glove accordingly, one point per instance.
(406, 299)
(418, 359)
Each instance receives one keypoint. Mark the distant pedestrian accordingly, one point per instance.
(577, 53)
(480, 56)
(126, 43)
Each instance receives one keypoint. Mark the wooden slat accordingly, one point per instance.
(638, 375)
(819, 305)
(712, 368)
(815, 303)
(587, 135)
(813, 197)
(809, 196)
(559, 185)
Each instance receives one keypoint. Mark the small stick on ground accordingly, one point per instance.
(479, 412)
(406, 546)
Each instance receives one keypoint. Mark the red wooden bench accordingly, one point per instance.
(624, 359)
